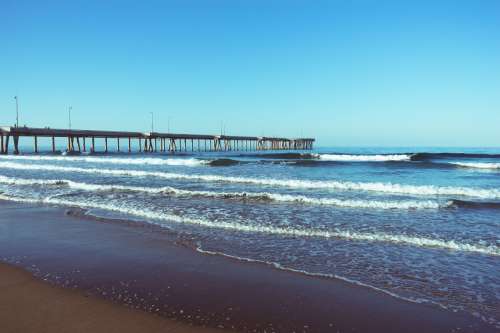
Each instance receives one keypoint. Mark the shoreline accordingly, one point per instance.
(133, 264)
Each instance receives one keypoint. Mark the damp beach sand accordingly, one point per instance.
(120, 276)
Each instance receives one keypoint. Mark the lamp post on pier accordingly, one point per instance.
(69, 116)
(17, 111)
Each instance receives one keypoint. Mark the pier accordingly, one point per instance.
(85, 141)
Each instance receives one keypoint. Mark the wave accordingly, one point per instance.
(111, 160)
(223, 162)
(364, 158)
(429, 156)
(398, 164)
(474, 204)
(477, 165)
(418, 190)
(335, 157)
(285, 156)
(336, 233)
(258, 196)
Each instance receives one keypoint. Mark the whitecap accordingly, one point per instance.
(364, 158)
(418, 190)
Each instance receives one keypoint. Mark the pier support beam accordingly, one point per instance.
(36, 143)
(6, 150)
(16, 145)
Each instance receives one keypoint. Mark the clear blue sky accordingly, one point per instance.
(393, 73)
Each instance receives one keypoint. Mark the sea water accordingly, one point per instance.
(418, 224)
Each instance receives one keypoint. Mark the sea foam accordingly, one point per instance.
(260, 196)
(477, 165)
(418, 190)
(150, 216)
(364, 158)
(110, 160)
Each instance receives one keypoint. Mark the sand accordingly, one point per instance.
(30, 305)
(145, 267)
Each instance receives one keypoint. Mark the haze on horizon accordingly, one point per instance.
(378, 73)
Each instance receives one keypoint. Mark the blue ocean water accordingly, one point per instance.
(422, 224)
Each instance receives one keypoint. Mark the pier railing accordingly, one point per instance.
(85, 141)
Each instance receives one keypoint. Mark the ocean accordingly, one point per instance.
(419, 224)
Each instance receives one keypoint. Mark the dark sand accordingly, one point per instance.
(140, 266)
(30, 305)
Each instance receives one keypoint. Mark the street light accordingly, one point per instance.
(17, 111)
(152, 124)
(69, 116)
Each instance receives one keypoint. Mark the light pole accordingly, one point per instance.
(17, 111)
(69, 116)
(152, 124)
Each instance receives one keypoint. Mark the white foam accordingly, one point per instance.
(110, 160)
(418, 190)
(374, 204)
(150, 215)
(364, 158)
(477, 165)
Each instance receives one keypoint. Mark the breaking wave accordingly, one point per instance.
(284, 156)
(474, 204)
(364, 158)
(111, 160)
(478, 165)
(224, 162)
(430, 156)
(258, 196)
(418, 190)
(149, 215)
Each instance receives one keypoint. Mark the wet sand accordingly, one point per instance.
(30, 305)
(144, 267)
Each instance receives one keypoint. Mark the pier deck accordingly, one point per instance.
(148, 141)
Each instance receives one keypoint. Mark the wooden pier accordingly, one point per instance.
(85, 141)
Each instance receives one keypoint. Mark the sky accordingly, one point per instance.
(348, 73)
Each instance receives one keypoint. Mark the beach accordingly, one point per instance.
(250, 166)
(30, 305)
(102, 274)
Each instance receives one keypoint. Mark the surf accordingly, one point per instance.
(477, 165)
(336, 233)
(255, 196)
(417, 190)
(110, 160)
(364, 158)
